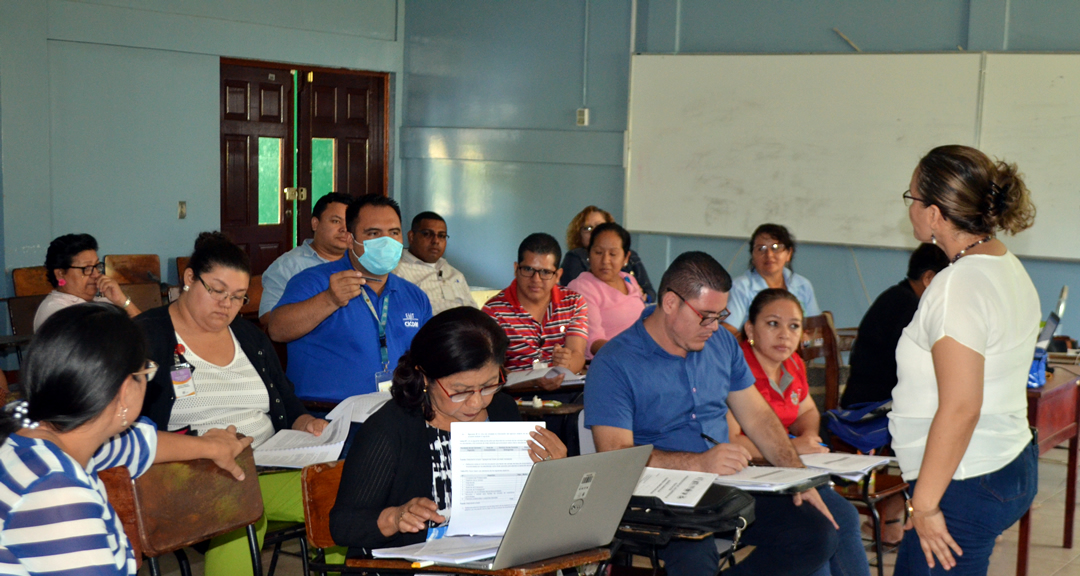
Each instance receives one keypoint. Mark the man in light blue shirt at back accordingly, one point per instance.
(330, 241)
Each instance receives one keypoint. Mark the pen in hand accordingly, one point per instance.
(710, 439)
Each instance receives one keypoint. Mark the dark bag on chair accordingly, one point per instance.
(721, 509)
(864, 426)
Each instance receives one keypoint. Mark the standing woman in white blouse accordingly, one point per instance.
(959, 422)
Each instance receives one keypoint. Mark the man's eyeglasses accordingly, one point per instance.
(705, 320)
(775, 248)
(88, 270)
(460, 397)
(429, 234)
(529, 272)
(909, 199)
(222, 295)
(149, 370)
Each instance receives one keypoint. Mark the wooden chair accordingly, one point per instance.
(21, 311)
(145, 296)
(30, 281)
(847, 338)
(250, 311)
(133, 268)
(820, 341)
(181, 265)
(869, 495)
(319, 485)
(181, 503)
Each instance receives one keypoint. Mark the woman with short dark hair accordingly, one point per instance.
(77, 275)
(395, 487)
(84, 380)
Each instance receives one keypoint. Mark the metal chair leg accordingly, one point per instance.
(155, 568)
(875, 520)
(256, 553)
(304, 555)
(181, 559)
(274, 559)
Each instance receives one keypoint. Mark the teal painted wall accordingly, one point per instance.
(109, 109)
(491, 89)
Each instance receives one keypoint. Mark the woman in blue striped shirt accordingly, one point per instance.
(85, 376)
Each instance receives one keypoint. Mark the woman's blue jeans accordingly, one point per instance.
(976, 511)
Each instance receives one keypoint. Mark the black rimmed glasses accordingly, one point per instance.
(149, 370)
(529, 272)
(705, 320)
(459, 397)
(909, 199)
(431, 234)
(222, 295)
(88, 270)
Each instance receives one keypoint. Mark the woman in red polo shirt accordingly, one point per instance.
(771, 337)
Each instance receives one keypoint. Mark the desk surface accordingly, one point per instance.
(548, 566)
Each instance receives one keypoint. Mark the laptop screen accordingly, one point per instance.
(1047, 333)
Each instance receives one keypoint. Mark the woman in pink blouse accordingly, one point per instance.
(615, 301)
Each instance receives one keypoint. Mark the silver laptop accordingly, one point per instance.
(569, 505)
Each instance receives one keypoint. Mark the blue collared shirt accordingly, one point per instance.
(666, 400)
(745, 287)
(341, 356)
(282, 270)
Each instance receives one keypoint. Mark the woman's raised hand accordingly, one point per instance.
(545, 445)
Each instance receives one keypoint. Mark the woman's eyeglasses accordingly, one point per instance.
(705, 320)
(485, 391)
(775, 248)
(222, 295)
(88, 270)
(909, 199)
(149, 370)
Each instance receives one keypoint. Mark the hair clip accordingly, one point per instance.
(20, 409)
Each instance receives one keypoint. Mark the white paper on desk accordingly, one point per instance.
(448, 550)
(849, 466)
(525, 375)
(490, 465)
(768, 478)
(360, 407)
(296, 448)
(674, 487)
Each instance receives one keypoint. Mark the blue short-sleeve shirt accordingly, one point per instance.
(341, 356)
(745, 287)
(279, 273)
(667, 401)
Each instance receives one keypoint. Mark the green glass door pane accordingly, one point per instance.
(269, 181)
(323, 169)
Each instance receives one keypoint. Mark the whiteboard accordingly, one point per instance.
(1031, 117)
(824, 144)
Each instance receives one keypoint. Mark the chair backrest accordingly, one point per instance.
(319, 483)
(145, 296)
(181, 265)
(21, 311)
(820, 341)
(133, 268)
(30, 281)
(180, 503)
(254, 293)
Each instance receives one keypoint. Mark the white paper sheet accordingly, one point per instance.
(490, 465)
(360, 407)
(849, 466)
(674, 487)
(449, 550)
(525, 375)
(768, 478)
(296, 449)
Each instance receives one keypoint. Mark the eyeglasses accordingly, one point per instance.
(588, 228)
(529, 272)
(222, 295)
(705, 320)
(775, 248)
(88, 270)
(429, 234)
(149, 370)
(909, 199)
(460, 397)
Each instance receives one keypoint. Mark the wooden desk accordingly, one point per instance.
(530, 388)
(1054, 410)
(549, 566)
(563, 410)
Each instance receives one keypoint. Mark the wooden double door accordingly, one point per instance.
(285, 128)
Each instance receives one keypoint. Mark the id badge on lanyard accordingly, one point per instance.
(183, 384)
(384, 377)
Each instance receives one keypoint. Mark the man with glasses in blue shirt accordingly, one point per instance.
(669, 381)
(546, 323)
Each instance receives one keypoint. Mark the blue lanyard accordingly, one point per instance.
(382, 324)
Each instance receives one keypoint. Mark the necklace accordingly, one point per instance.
(970, 246)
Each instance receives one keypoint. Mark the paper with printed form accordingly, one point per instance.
(296, 448)
(848, 466)
(569, 377)
(490, 465)
(674, 487)
(774, 479)
(360, 407)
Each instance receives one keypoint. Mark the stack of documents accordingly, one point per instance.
(449, 550)
(847, 466)
(674, 487)
(774, 479)
(296, 449)
(545, 372)
(360, 407)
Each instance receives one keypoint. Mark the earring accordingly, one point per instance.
(933, 239)
(186, 287)
(61, 282)
(751, 342)
(123, 416)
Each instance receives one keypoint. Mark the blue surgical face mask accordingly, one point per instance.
(381, 255)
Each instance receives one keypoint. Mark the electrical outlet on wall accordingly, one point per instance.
(582, 116)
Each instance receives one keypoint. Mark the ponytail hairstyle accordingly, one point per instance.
(766, 297)
(75, 366)
(457, 340)
(978, 195)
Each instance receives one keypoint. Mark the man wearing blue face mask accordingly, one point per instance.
(347, 322)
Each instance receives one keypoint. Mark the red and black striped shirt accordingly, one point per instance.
(530, 340)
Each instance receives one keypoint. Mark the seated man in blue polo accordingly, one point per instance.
(331, 240)
(348, 322)
(669, 381)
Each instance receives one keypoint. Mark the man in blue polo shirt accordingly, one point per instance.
(669, 381)
(347, 322)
